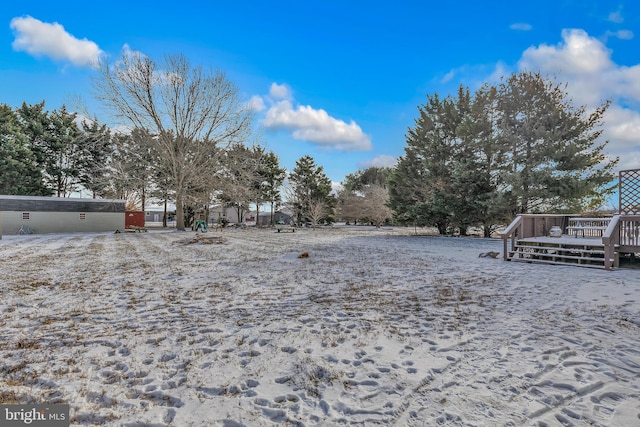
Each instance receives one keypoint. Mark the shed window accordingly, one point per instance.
(26, 216)
(83, 216)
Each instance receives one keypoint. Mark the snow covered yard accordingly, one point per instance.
(375, 327)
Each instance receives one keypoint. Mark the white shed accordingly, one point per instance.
(34, 214)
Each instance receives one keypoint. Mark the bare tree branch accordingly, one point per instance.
(193, 114)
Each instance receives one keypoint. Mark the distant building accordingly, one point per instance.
(278, 218)
(219, 214)
(153, 216)
(230, 214)
(60, 215)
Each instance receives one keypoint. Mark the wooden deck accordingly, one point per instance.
(590, 242)
(595, 241)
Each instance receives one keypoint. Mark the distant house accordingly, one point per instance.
(278, 218)
(153, 215)
(219, 214)
(60, 215)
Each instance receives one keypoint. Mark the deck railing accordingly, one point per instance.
(629, 236)
(531, 225)
(622, 236)
(510, 235)
(611, 239)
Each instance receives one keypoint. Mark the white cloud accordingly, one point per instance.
(51, 40)
(578, 53)
(382, 161)
(447, 77)
(309, 124)
(630, 160)
(521, 26)
(256, 103)
(501, 70)
(623, 126)
(616, 17)
(585, 63)
(620, 34)
(624, 34)
(277, 91)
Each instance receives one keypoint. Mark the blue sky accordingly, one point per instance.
(339, 80)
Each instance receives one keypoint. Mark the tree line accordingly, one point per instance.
(56, 153)
(517, 147)
(186, 140)
(470, 159)
(478, 160)
(46, 153)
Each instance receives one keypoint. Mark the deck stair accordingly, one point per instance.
(583, 252)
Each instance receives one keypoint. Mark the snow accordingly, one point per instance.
(375, 327)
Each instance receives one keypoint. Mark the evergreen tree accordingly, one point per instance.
(56, 142)
(311, 192)
(258, 183)
(556, 161)
(521, 147)
(19, 170)
(421, 186)
(273, 176)
(34, 122)
(478, 166)
(133, 167)
(98, 150)
(54, 138)
(363, 178)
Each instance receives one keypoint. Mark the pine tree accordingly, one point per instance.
(19, 170)
(421, 186)
(56, 142)
(311, 190)
(556, 160)
(274, 177)
(478, 166)
(519, 148)
(98, 150)
(366, 177)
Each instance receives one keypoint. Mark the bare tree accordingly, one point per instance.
(316, 210)
(292, 201)
(350, 206)
(368, 204)
(193, 114)
(235, 178)
(376, 199)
